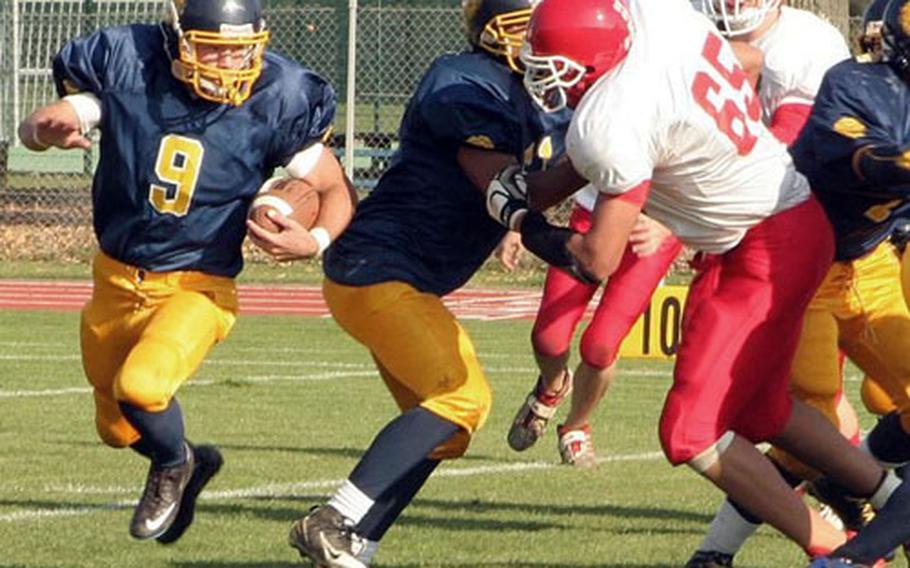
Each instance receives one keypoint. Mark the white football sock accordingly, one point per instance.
(351, 502)
(728, 531)
(369, 551)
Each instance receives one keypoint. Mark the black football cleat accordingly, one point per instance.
(710, 559)
(208, 462)
(327, 537)
(160, 502)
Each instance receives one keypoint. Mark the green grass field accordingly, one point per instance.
(293, 402)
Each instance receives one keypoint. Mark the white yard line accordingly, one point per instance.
(283, 490)
(367, 370)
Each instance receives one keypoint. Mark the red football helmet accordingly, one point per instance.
(571, 44)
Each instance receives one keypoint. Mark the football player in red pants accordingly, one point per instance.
(679, 133)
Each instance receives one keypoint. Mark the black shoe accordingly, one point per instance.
(327, 537)
(710, 559)
(160, 501)
(208, 462)
(853, 512)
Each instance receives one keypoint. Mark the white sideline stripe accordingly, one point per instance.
(329, 375)
(355, 350)
(202, 383)
(216, 362)
(282, 490)
(368, 370)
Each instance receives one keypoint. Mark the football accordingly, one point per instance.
(292, 197)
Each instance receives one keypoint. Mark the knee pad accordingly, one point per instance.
(150, 375)
(454, 447)
(550, 342)
(597, 352)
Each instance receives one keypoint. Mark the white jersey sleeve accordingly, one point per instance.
(612, 150)
(679, 112)
(798, 50)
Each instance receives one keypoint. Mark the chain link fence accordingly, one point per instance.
(45, 210)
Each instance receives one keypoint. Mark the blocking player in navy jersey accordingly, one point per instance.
(194, 116)
(418, 236)
(855, 150)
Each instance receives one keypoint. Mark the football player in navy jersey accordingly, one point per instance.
(194, 116)
(418, 236)
(855, 150)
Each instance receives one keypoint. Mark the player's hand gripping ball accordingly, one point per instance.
(292, 197)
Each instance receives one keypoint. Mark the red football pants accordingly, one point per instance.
(740, 330)
(625, 296)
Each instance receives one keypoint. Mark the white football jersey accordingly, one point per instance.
(679, 111)
(798, 49)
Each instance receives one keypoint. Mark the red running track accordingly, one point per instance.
(468, 303)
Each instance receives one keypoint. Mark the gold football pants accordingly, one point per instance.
(875, 399)
(859, 308)
(423, 354)
(144, 334)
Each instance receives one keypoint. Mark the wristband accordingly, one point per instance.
(322, 238)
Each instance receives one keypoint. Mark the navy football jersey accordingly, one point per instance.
(859, 104)
(425, 223)
(177, 173)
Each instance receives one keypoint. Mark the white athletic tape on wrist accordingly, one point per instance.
(322, 237)
(279, 204)
(88, 108)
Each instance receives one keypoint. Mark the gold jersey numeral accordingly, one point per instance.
(178, 164)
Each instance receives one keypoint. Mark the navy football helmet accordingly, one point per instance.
(198, 27)
(498, 26)
(896, 36)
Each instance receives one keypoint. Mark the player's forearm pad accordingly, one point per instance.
(548, 242)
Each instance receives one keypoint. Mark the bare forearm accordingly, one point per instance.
(336, 207)
(549, 187)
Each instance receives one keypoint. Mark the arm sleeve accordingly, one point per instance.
(788, 121)
(616, 156)
(306, 120)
